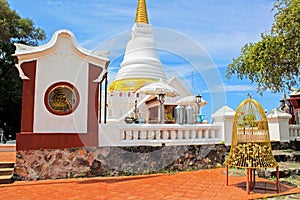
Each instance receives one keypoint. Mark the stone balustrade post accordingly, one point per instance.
(278, 122)
(224, 117)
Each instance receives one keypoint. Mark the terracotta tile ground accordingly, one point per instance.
(205, 184)
(7, 156)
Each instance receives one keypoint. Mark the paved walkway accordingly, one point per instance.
(204, 184)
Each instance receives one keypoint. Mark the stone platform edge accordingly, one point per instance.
(115, 161)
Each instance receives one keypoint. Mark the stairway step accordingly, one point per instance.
(6, 179)
(7, 164)
(7, 147)
(6, 171)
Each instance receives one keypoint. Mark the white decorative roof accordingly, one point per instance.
(181, 87)
(224, 111)
(63, 42)
(22, 49)
(295, 92)
(277, 113)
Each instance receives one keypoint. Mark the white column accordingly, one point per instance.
(278, 122)
(224, 117)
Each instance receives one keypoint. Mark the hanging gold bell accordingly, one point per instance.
(250, 145)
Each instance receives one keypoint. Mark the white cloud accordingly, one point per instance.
(54, 3)
(231, 88)
(221, 27)
(116, 44)
(111, 10)
(237, 88)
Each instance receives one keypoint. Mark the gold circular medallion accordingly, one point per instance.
(61, 98)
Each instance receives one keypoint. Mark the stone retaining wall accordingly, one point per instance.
(115, 161)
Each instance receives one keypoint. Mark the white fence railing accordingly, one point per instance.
(192, 134)
(294, 132)
(158, 134)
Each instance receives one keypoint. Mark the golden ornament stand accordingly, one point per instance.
(250, 180)
(250, 146)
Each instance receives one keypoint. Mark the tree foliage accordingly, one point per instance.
(274, 61)
(13, 29)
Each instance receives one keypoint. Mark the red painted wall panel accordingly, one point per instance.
(93, 102)
(29, 68)
(27, 140)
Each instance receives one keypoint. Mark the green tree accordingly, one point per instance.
(13, 29)
(274, 61)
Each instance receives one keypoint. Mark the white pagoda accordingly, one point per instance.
(141, 65)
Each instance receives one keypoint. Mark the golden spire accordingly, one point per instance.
(141, 12)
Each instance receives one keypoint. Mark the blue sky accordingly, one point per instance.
(205, 36)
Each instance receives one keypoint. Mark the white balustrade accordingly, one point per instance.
(158, 134)
(206, 133)
(294, 132)
(191, 134)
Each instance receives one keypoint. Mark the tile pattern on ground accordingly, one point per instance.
(204, 184)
